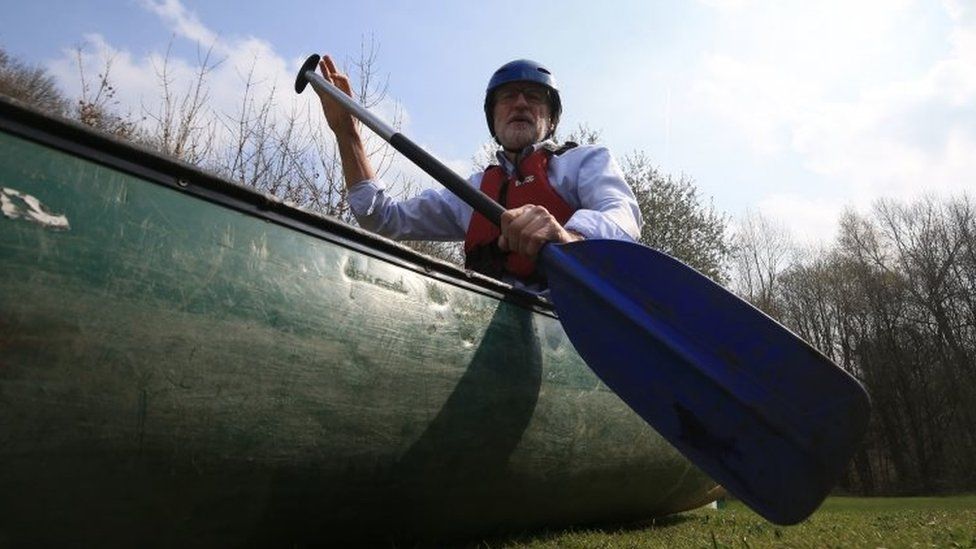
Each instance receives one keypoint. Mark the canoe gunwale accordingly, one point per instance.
(76, 139)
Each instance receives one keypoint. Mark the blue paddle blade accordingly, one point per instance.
(751, 404)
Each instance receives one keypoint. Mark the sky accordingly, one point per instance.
(793, 109)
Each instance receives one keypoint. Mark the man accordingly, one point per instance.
(551, 193)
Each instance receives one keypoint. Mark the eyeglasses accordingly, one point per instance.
(533, 95)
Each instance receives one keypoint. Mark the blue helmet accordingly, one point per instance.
(523, 70)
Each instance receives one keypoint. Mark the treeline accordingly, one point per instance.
(893, 301)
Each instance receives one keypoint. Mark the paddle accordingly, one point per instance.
(743, 398)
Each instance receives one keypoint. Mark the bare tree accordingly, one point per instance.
(97, 105)
(892, 303)
(485, 156)
(583, 134)
(371, 91)
(181, 124)
(32, 85)
(764, 249)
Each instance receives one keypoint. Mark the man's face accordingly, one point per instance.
(521, 114)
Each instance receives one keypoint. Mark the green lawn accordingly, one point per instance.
(840, 522)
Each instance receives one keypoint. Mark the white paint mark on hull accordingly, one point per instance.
(18, 205)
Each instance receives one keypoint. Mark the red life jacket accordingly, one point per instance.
(529, 185)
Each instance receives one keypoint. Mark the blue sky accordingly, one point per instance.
(793, 109)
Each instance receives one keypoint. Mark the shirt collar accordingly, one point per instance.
(507, 165)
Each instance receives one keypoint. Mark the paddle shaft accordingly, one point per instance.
(424, 160)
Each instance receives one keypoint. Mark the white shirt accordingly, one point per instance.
(586, 177)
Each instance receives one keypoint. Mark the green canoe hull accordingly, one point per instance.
(182, 359)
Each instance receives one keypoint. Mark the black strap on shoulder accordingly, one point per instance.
(556, 149)
(565, 147)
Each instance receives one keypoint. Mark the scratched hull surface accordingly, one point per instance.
(182, 360)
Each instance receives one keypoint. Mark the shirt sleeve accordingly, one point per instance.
(434, 214)
(608, 208)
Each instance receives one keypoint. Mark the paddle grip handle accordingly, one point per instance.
(473, 197)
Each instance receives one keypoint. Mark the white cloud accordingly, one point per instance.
(961, 10)
(865, 131)
(183, 22)
(754, 98)
(95, 59)
(811, 221)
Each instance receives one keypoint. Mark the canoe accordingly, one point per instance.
(186, 360)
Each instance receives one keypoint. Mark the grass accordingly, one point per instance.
(840, 522)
